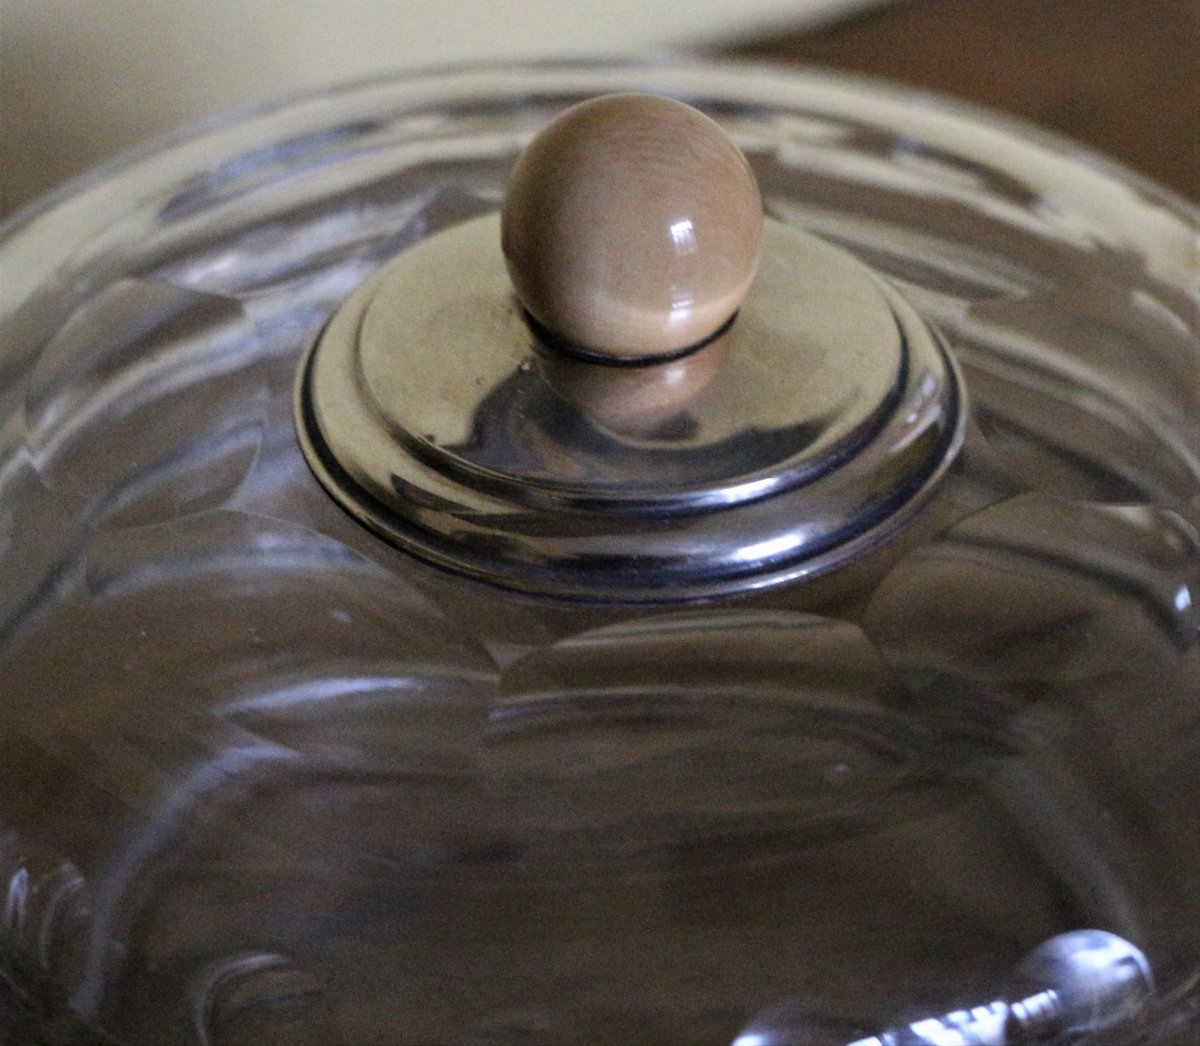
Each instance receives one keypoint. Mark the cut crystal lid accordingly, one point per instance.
(268, 777)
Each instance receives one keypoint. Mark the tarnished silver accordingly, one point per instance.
(424, 410)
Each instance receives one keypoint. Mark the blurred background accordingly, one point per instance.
(81, 80)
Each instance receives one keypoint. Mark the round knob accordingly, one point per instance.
(631, 227)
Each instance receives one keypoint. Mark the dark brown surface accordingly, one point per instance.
(1123, 76)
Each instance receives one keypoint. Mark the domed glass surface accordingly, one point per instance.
(267, 778)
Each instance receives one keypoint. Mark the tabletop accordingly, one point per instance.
(1121, 77)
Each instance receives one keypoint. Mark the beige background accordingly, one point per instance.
(83, 79)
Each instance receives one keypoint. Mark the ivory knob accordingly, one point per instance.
(631, 227)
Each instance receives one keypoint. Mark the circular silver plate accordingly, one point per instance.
(424, 410)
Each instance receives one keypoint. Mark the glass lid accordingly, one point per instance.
(801, 650)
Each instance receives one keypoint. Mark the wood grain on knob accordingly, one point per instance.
(631, 226)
